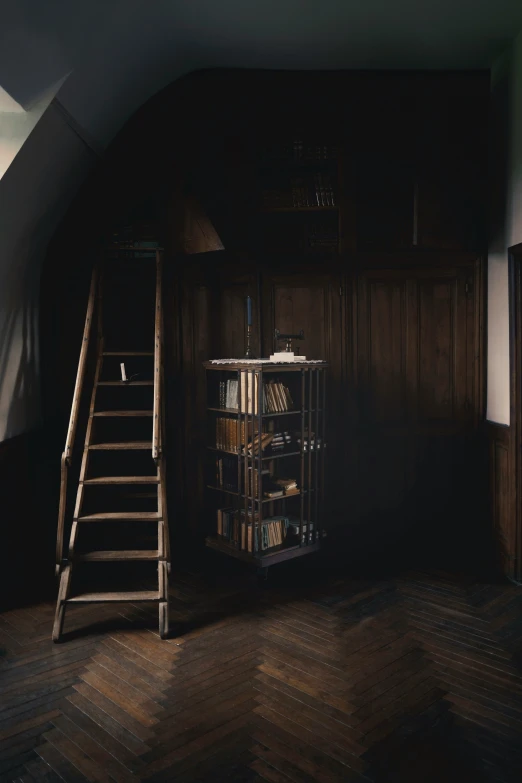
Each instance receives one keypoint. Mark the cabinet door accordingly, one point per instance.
(415, 380)
(385, 175)
(451, 173)
(311, 302)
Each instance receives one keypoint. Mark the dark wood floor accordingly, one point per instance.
(415, 678)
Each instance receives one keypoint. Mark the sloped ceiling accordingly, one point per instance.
(119, 52)
(115, 54)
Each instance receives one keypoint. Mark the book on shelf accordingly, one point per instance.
(230, 434)
(259, 442)
(274, 487)
(253, 486)
(276, 395)
(310, 151)
(271, 443)
(226, 473)
(308, 530)
(281, 442)
(315, 443)
(271, 487)
(273, 493)
(239, 529)
(324, 192)
(286, 484)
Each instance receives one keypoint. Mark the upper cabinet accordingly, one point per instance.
(452, 168)
(322, 164)
(421, 162)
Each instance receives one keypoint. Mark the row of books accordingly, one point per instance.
(277, 442)
(230, 434)
(227, 478)
(270, 443)
(311, 443)
(310, 152)
(299, 150)
(264, 534)
(318, 194)
(227, 473)
(276, 396)
(279, 487)
(330, 242)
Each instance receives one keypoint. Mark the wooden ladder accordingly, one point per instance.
(66, 562)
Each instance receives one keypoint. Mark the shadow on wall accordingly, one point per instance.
(19, 389)
(34, 194)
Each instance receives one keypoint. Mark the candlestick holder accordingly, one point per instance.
(248, 351)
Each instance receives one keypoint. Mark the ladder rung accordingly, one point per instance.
(125, 383)
(138, 595)
(126, 516)
(118, 554)
(131, 445)
(121, 413)
(126, 247)
(122, 480)
(128, 353)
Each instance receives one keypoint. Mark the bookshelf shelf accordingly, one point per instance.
(300, 193)
(238, 480)
(255, 457)
(234, 412)
(300, 209)
(256, 500)
(277, 554)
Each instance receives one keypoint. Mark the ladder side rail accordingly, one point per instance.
(73, 420)
(158, 361)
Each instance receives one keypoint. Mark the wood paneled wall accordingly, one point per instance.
(398, 312)
(27, 500)
(404, 343)
(503, 497)
(505, 443)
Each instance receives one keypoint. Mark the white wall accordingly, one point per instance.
(507, 228)
(34, 194)
(15, 126)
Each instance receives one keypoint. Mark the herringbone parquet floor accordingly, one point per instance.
(415, 678)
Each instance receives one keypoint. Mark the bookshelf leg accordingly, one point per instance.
(262, 573)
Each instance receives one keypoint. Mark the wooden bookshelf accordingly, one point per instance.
(283, 407)
(300, 192)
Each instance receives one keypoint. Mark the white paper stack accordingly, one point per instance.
(286, 356)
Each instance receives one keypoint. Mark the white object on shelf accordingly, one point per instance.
(286, 356)
(123, 374)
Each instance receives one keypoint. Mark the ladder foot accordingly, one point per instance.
(163, 619)
(58, 623)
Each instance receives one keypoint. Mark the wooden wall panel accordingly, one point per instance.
(505, 443)
(415, 331)
(231, 322)
(210, 325)
(503, 496)
(404, 349)
(437, 373)
(312, 302)
(382, 351)
(294, 300)
(296, 303)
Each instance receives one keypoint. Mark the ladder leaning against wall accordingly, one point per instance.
(121, 488)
